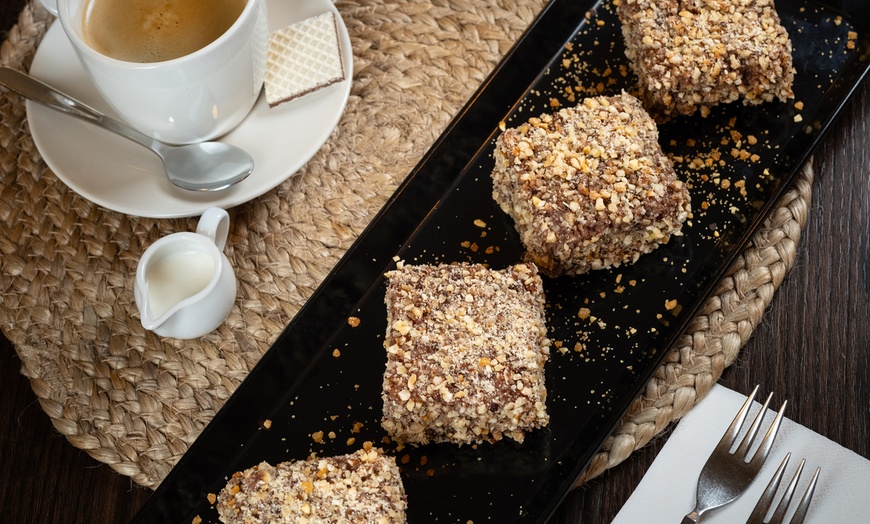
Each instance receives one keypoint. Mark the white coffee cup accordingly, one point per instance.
(190, 99)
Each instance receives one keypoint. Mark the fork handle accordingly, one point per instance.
(691, 518)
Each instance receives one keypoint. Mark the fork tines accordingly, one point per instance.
(765, 502)
(743, 449)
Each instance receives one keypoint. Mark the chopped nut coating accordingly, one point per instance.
(466, 348)
(360, 488)
(588, 187)
(691, 55)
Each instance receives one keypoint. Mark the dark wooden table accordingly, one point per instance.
(813, 348)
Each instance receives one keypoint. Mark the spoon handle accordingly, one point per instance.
(29, 87)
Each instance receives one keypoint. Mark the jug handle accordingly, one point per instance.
(214, 224)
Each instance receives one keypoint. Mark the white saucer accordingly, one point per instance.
(122, 176)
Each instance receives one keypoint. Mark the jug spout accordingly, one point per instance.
(151, 324)
(149, 321)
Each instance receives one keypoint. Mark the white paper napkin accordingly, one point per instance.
(667, 491)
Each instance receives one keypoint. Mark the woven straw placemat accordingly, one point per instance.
(135, 401)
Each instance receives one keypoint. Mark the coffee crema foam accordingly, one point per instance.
(156, 30)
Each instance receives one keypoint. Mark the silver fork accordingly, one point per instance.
(765, 503)
(726, 475)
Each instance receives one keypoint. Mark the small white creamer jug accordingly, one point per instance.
(185, 286)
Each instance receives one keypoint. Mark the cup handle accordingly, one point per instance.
(214, 224)
(50, 5)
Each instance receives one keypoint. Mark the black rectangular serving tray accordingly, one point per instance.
(600, 363)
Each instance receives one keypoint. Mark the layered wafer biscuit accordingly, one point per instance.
(690, 55)
(360, 488)
(302, 58)
(466, 348)
(588, 187)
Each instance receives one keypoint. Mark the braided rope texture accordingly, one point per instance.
(136, 402)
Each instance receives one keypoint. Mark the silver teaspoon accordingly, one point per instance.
(206, 166)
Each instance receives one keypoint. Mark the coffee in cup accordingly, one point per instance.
(156, 30)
